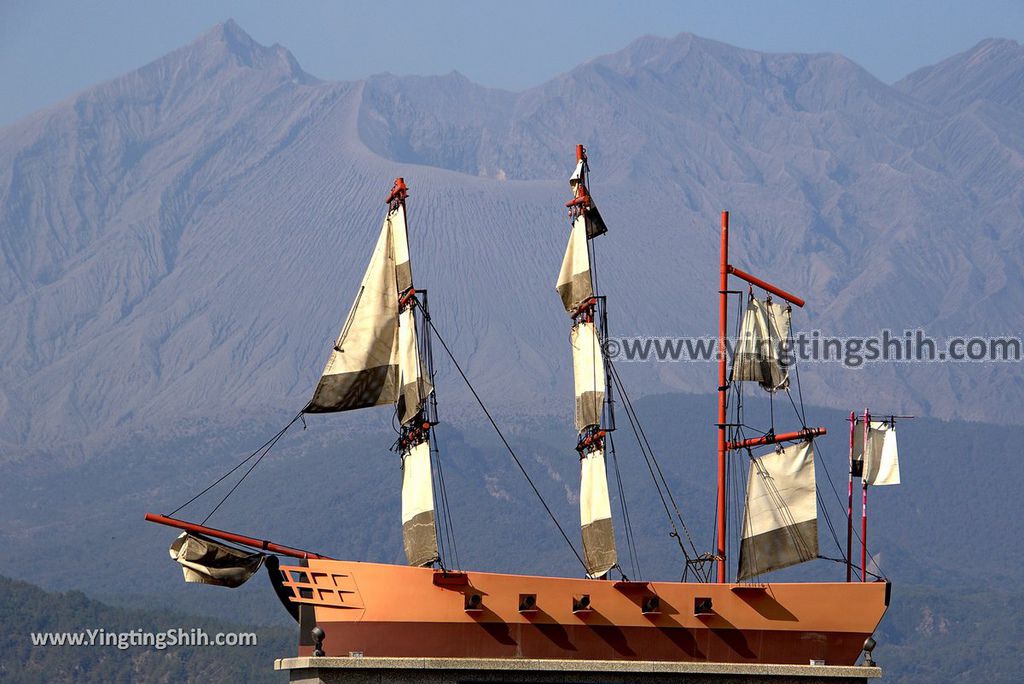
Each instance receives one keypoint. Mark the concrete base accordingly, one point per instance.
(357, 670)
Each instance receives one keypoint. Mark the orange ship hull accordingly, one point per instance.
(397, 611)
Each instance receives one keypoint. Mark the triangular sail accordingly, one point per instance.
(759, 351)
(376, 361)
(780, 523)
(879, 464)
(362, 369)
(575, 286)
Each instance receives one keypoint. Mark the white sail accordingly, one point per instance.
(780, 523)
(418, 527)
(400, 239)
(414, 383)
(205, 561)
(574, 283)
(759, 351)
(577, 175)
(588, 374)
(596, 515)
(362, 369)
(575, 286)
(880, 463)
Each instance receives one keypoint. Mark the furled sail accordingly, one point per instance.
(419, 532)
(879, 464)
(574, 282)
(588, 374)
(576, 288)
(596, 514)
(362, 369)
(418, 527)
(206, 561)
(415, 385)
(759, 351)
(780, 523)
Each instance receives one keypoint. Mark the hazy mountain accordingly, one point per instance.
(180, 244)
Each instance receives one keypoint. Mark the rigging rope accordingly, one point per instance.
(504, 441)
(634, 560)
(799, 409)
(654, 467)
(447, 537)
(265, 448)
(446, 516)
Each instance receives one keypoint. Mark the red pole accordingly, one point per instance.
(849, 503)
(723, 311)
(864, 503)
(777, 291)
(775, 439)
(232, 537)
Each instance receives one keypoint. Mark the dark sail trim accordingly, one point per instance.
(576, 290)
(599, 546)
(360, 389)
(588, 408)
(420, 539)
(778, 548)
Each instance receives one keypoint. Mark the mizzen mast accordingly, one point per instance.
(755, 365)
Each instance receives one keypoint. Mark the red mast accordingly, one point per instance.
(724, 446)
(849, 502)
(864, 503)
(723, 316)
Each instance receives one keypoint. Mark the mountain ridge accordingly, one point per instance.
(211, 211)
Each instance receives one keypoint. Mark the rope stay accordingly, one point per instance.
(446, 537)
(262, 451)
(738, 426)
(504, 441)
(665, 494)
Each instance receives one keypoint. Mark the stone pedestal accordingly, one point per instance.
(356, 670)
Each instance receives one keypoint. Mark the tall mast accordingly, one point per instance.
(723, 389)
(849, 501)
(864, 502)
(575, 286)
(724, 446)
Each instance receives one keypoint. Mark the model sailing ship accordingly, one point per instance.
(428, 609)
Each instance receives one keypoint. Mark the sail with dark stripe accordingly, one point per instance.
(760, 349)
(376, 361)
(362, 369)
(780, 523)
(879, 464)
(575, 286)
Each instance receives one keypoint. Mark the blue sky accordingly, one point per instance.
(52, 49)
